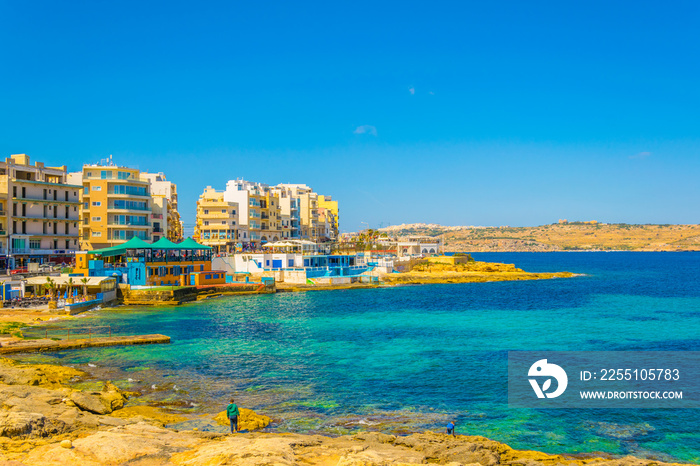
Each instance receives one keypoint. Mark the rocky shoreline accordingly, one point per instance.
(43, 421)
(470, 272)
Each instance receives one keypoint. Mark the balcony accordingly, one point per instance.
(129, 224)
(43, 251)
(264, 216)
(132, 208)
(157, 230)
(52, 201)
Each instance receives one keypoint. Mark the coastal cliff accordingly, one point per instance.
(565, 236)
(45, 422)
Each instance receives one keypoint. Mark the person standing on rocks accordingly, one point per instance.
(232, 413)
(451, 428)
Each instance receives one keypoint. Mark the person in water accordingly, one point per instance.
(232, 413)
(451, 428)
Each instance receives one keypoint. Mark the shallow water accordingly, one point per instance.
(407, 359)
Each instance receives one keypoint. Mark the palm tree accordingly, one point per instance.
(84, 281)
(51, 286)
(70, 286)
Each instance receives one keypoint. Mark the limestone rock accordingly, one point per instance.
(241, 451)
(66, 444)
(91, 402)
(375, 437)
(104, 402)
(16, 424)
(248, 420)
(12, 373)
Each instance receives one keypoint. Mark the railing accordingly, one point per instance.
(140, 209)
(42, 251)
(62, 333)
(132, 224)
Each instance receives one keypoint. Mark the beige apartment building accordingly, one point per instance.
(166, 218)
(260, 217)
(217, 221)
(116, 206)
(39, 213)
(330, 208)
(317, 215)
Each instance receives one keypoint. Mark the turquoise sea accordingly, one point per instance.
(407, 359)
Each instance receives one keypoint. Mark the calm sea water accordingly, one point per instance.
(407, 359)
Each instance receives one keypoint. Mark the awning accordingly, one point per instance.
(164, 243)
(62, 280)
(189, 243)
(133, 243)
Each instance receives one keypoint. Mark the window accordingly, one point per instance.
(223, 211)
(206, 222)
(34, 244)
(96, 204)
(97, 188)
(223, 222)
(86, 190)
(206, 211)
(132, 190)
(97, 233)
(132, 205)
(86, 205)
(106, 175)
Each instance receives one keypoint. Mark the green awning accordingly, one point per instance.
(133, 243)
(164, 243)
(189, 243)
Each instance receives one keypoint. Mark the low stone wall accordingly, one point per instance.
(159, 297)
(175, 296)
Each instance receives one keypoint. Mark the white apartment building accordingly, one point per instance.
(40, 213)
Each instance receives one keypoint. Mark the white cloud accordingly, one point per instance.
(412, 90)
(366, 129)
(641, 155)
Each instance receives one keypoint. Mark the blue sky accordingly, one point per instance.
(459, 113)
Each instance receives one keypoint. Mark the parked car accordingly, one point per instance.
(20, 270)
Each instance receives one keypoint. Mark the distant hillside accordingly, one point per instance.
(574, 236)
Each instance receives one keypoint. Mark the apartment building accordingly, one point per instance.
(330, 208)
(316, 215)
(217, 221)
(166, 218)
(260, 218)
(116, 206)
(289, 212)
(39, 213)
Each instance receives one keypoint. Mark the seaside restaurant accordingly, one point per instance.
(137, 262)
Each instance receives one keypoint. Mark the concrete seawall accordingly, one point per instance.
(37, 346)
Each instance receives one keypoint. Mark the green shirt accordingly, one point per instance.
(232, 410)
